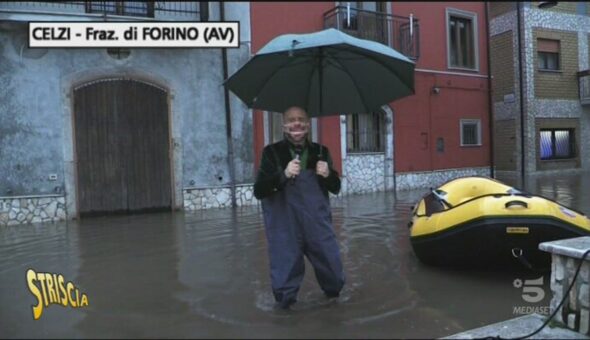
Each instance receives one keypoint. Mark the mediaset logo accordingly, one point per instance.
(532, 292)
(52, 289)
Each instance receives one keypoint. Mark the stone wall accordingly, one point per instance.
(218, 197)
(417, 180)
(363, 173)
(23, 210)
(566, 256)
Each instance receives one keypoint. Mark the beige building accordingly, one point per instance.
(550, 131)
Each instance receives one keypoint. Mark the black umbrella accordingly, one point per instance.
(326, 72)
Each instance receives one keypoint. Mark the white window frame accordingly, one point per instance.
(466, 15)
(470, 121)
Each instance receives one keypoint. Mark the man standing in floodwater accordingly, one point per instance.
(293, 182)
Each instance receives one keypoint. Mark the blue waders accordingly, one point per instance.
(298, 222)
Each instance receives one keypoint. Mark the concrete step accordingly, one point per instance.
(519, 327)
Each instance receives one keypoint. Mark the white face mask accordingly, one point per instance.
(296, 130)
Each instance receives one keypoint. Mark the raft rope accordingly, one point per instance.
(517, 253)
(441, 197)
(565, 296)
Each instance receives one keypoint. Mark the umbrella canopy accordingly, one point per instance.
(327, 73)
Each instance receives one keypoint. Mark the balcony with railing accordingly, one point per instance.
(400, 33)
(584, 86)
(104, 10)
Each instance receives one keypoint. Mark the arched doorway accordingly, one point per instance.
(122, 148)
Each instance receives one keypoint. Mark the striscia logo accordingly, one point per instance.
(51, 288)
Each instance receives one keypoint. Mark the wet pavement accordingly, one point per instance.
(205, 274)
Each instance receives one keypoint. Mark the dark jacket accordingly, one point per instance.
(275, 158)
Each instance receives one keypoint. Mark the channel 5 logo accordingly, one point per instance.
(532, 291)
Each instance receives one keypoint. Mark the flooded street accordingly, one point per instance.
(205, 274)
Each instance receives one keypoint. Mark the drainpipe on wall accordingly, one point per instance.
(228, 125)
(521, 88)
(490, 99)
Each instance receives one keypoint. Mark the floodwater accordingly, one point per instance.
(205, 274)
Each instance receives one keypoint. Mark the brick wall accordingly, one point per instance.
(498, 8)
(558, 123)
(502, 66)
(505, 145)
(562, 84)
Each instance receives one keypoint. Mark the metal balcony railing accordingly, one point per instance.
(584, 86)
(190, 10)
(400, 33)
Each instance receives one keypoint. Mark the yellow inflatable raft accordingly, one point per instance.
(479, 221)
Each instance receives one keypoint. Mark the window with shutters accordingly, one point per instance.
(548, 55)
